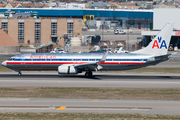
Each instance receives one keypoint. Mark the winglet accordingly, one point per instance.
(103, 59)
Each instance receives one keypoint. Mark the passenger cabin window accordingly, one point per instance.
(108, 59)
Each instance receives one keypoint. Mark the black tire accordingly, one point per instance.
(19, 73)
(88, 74)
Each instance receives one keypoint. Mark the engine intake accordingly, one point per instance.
(67, 69)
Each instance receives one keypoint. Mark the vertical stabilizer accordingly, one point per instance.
(159, 45)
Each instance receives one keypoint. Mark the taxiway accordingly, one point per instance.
(104, 80)
(89, 106)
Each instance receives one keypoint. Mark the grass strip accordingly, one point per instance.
(4, 69)
(91, 93)
(85, 116)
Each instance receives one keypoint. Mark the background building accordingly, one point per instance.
(41, 31)
(160, 18)
(8, 45)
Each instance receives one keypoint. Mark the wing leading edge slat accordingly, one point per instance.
(93, 65)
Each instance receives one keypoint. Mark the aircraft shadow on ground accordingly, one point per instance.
(95, 77)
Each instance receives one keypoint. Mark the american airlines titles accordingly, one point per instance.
(43, 56)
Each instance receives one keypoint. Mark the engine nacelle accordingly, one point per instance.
(67, 69)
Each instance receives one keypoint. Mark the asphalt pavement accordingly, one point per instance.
(89, 106)
(103, 80)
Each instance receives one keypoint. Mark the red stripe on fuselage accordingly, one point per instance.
(72, 63)
(14, 62)
(46, 62)
(132, 63)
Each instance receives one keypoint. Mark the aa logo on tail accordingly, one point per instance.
(161, 42)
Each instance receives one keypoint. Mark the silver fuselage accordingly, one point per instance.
(51, 61)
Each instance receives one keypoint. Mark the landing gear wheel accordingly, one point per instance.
(88, 74)
(19, 73)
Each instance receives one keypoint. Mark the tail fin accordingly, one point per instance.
(159, 45)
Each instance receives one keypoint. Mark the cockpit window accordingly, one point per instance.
(11, 59)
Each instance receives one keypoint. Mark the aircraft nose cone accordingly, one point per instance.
(4, 63)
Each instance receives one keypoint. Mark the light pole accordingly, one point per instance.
(127, 26)
(102, 26)
(102, 29)
(128, 37)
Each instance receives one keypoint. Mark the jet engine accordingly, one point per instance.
(67, 69)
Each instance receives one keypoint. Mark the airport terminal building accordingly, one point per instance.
(59, 25)
(41, 31)
(40, 26)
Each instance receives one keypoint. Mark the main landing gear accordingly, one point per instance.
(88, 74)
(19, 73)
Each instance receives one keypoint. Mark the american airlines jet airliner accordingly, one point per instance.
(74, 63)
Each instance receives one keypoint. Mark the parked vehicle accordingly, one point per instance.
(119, 32)
(58, 50)
(84, 29)
(171, 48)
(120, 50)
(104, 47)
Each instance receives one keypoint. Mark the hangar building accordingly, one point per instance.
(160, 18)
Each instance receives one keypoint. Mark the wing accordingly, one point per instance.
(92, 65)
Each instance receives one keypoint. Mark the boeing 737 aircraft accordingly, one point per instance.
(74, 63)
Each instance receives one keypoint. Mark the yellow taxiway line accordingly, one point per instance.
(95, 100)
(61, 108)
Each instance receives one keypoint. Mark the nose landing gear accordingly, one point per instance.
(19, 73)
(88, 74)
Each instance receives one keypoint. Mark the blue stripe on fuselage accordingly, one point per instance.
(78, 60)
